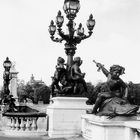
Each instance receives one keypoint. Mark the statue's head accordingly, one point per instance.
(60, 60)
(78, 60)
(116, 70)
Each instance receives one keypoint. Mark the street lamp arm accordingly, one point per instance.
(79, 38)
(56, 39)
(62, 35)
(86, 36)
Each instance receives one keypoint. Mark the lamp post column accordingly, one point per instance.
(6, 76)
(70, 47)
(70, 51)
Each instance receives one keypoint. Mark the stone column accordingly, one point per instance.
(13, 81)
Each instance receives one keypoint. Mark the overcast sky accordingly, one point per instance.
(24, 37)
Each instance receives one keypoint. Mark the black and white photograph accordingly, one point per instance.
(69, 69)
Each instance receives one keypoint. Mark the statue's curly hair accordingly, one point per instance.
(60, 60)
(118, 68)
(77, 59)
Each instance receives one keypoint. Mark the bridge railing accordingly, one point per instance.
(24, 124)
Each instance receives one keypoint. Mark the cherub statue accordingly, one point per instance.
(60, 69)
(112, 99)
(76, 74)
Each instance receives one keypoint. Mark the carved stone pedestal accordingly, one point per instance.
(65, 116)
(118, 128)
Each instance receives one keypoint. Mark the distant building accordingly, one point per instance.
(33, 81)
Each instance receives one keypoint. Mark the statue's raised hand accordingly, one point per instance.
(99, 65)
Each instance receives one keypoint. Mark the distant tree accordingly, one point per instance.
(27, 90)
(44, 94)
(35, 94)
(90, 87)
(90, 93)
(35, 91)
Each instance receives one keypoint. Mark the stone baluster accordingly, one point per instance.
(9, 123)
(34, 124)
(27, 124)
(21, 123)
(13, 123)
(136, 137)
(137, 133)
(17, 123)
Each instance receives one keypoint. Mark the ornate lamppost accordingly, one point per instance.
(6, 75)
(74, 37)
(71, 8)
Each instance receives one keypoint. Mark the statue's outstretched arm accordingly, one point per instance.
(101, 67)
(105, 71)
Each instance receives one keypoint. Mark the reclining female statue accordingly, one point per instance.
(112, 99)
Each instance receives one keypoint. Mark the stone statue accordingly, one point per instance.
(112, 98)
(57, 75)
(69, 78)
(76, 74)
(9, 103)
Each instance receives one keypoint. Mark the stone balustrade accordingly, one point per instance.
(22, 123)
(25, 124)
